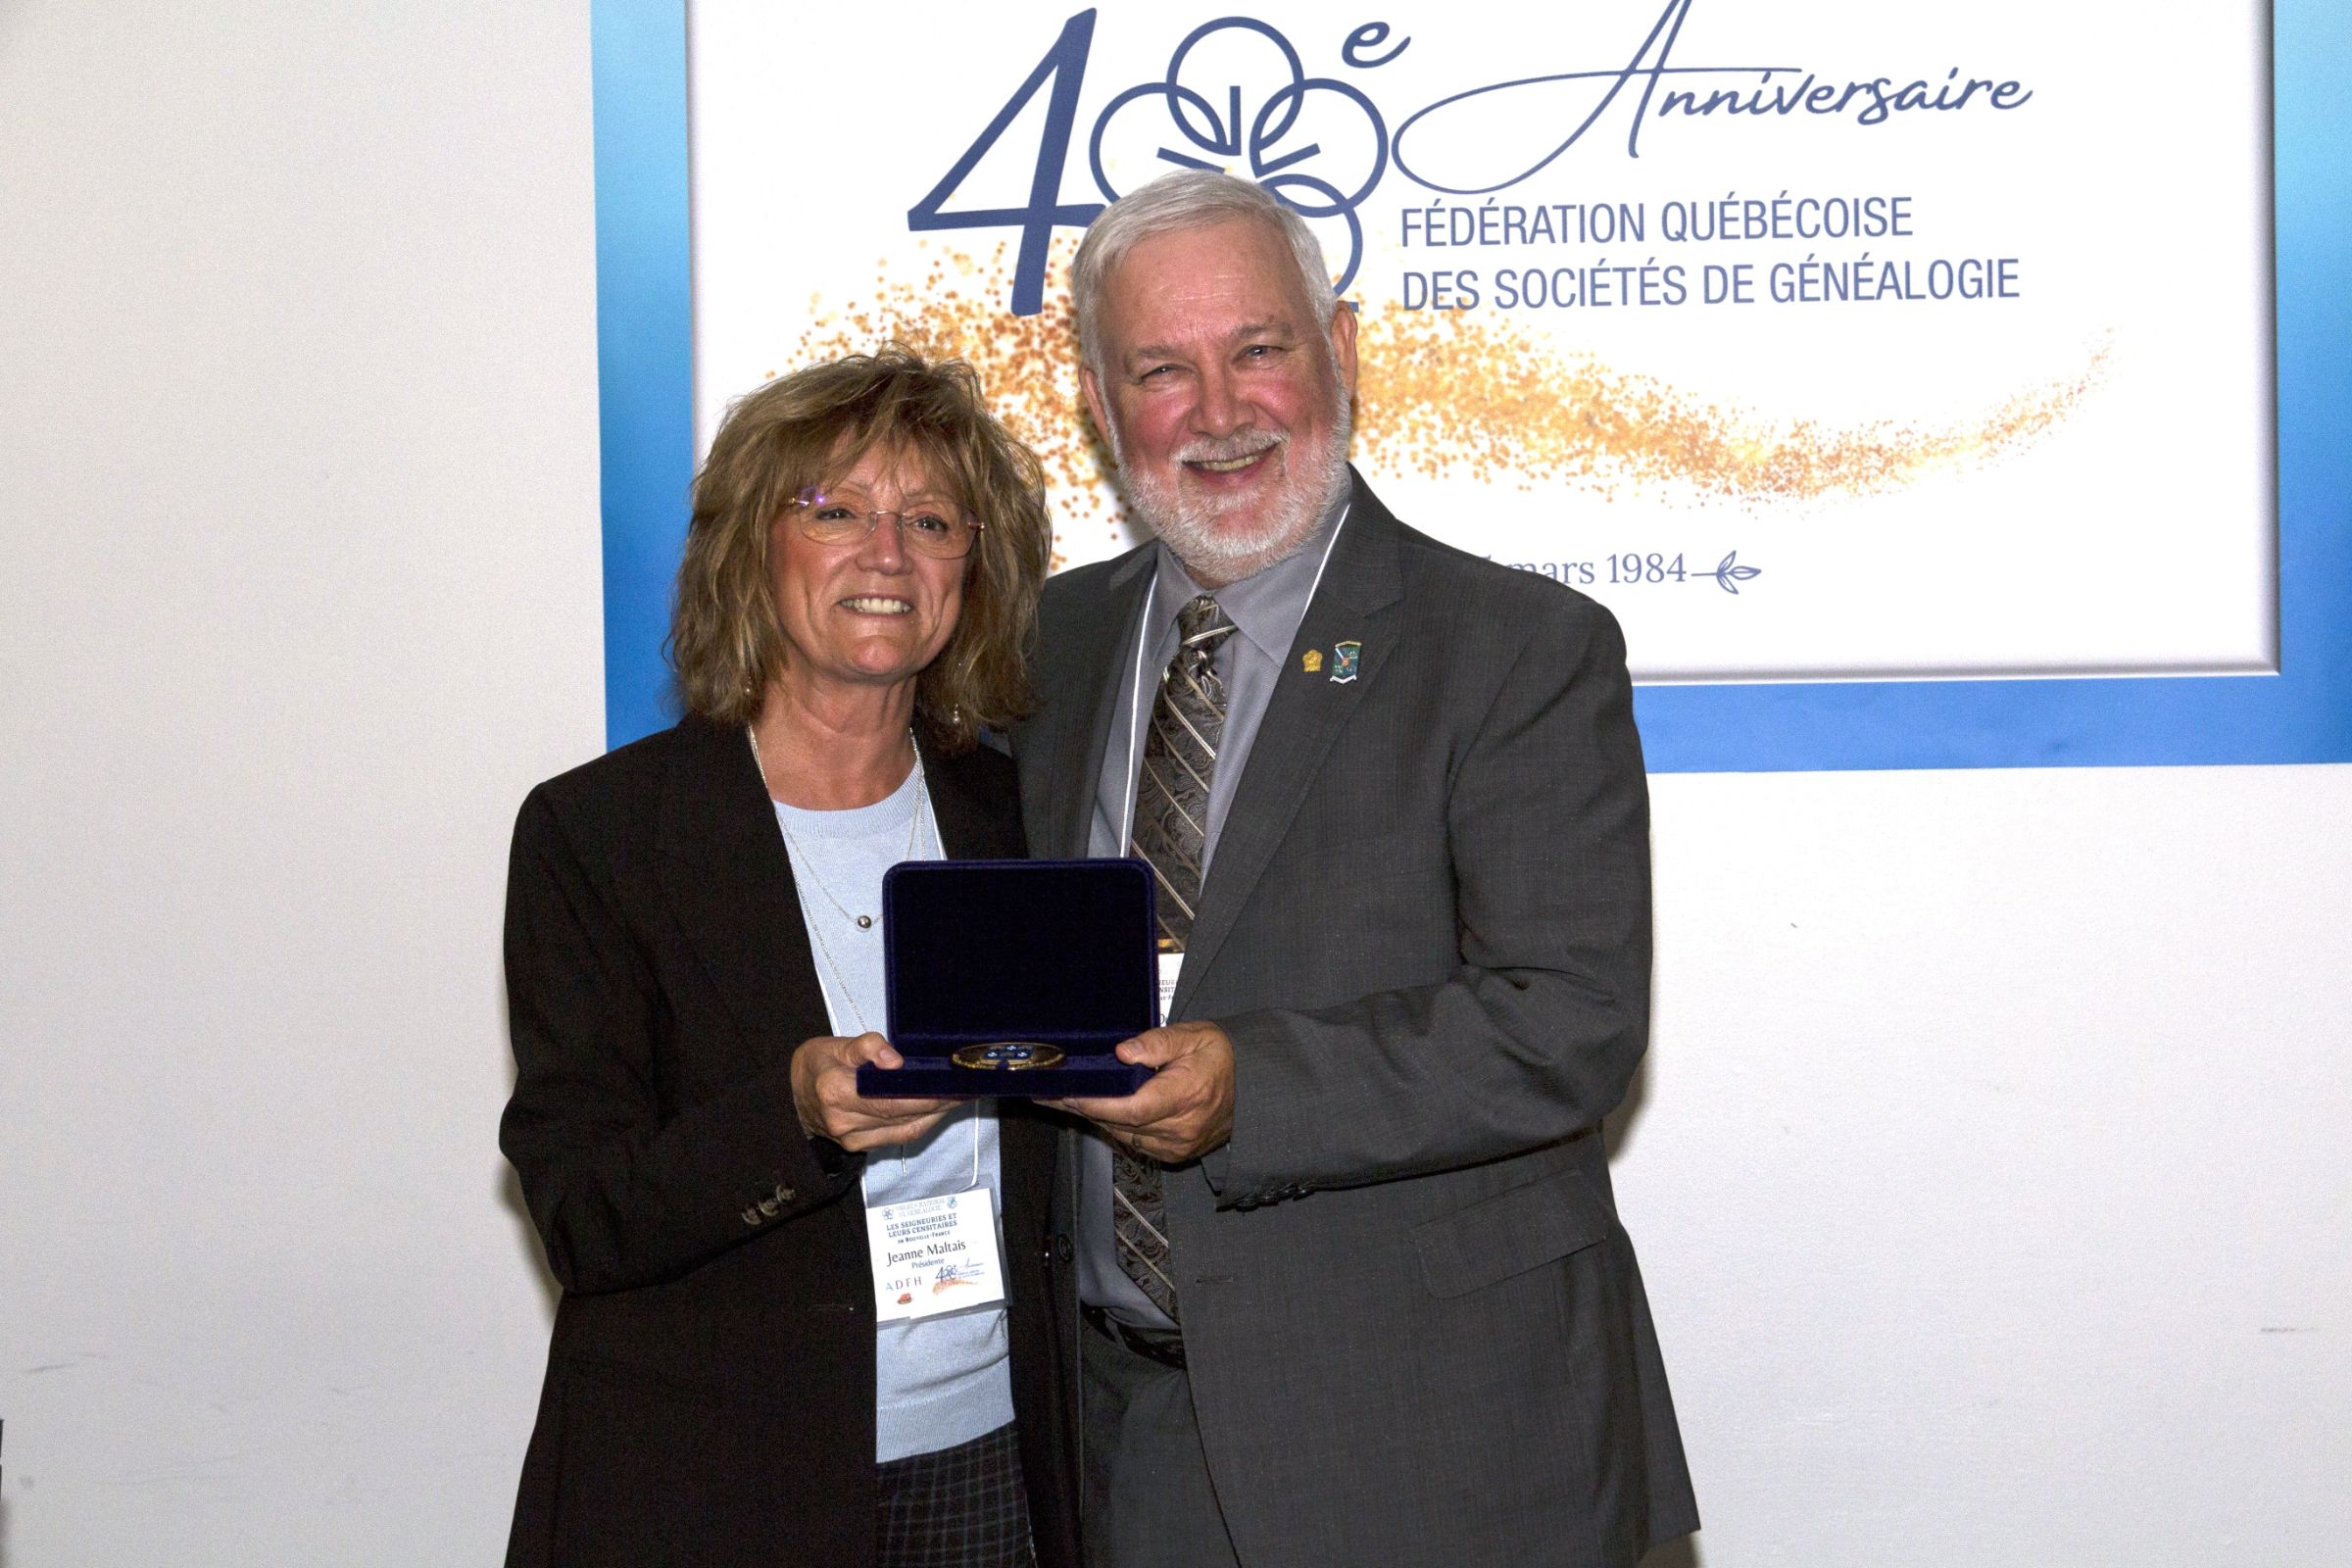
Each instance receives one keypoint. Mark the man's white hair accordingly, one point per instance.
(1192, 198)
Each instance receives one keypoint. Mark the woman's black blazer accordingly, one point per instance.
(709, 1394)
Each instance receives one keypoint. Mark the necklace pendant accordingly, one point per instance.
(865, 922)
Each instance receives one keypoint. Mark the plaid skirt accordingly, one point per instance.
(959, 1507)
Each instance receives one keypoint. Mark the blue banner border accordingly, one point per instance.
(2302, 714)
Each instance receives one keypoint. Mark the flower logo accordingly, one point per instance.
(1317, 143)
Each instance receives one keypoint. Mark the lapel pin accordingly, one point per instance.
(1343, 657)
(1311, 660)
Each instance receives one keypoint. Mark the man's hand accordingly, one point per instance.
(824, 1091)
(1185, 1109)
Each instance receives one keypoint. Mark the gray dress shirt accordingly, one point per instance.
(1265, 609)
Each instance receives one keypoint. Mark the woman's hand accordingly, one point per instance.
(824, 1091)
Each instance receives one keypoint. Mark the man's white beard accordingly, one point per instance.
(1191, 528)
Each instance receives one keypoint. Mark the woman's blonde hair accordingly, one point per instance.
(810, 428)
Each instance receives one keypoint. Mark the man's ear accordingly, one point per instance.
(1343, 346)
(1092, 390)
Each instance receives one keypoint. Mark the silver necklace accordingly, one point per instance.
(914, 828)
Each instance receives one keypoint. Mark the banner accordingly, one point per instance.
(1901, 378)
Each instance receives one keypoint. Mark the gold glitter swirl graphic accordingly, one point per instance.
(1446, 393)
(1439, 392)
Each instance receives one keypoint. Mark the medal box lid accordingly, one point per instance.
(1056, 952)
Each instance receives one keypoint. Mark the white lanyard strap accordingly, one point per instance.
(1137, 718)
(974, 1119)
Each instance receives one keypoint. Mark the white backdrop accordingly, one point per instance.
(1989, 1167)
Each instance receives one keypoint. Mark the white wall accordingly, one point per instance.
(1989, 1167)
(297, 512)
(1992, 1177)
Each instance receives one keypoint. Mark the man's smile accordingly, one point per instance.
(1219, 458)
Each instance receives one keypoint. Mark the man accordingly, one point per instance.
(1354, 1290)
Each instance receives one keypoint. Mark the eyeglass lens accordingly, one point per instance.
(838, 516)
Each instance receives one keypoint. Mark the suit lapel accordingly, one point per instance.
(1083, 733)
(723, 865)
(1353, 603)
(968, 829)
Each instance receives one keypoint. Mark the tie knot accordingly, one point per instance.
(1201, 623)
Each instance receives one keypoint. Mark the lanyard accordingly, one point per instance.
(974, 1119)
(1138, 719)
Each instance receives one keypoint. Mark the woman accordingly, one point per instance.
(693, 966)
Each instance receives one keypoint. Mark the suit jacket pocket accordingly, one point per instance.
(1510, 1232)
(651, 1473)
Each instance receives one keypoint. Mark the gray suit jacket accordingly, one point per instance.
(1416, 1331)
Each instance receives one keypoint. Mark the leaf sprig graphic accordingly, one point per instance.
(1729, 574)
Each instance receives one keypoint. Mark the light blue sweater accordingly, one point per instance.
(945, 1379)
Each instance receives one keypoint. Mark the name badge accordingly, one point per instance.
(1171, 965)
(934, 1255)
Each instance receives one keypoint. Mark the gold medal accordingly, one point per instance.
(1008, 1055)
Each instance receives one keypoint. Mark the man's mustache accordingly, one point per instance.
(1242, 443)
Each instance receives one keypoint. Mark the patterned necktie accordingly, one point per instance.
(1171, 821)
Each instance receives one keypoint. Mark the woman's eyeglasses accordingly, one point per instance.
(827, 518)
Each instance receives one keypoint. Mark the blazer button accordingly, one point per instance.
(751, 1216)
(1062, 1248)
(785, 1195)
(768, 1207)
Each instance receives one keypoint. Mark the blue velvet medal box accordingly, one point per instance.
(1043, 952)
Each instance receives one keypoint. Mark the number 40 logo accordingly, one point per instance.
(1223, 137)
